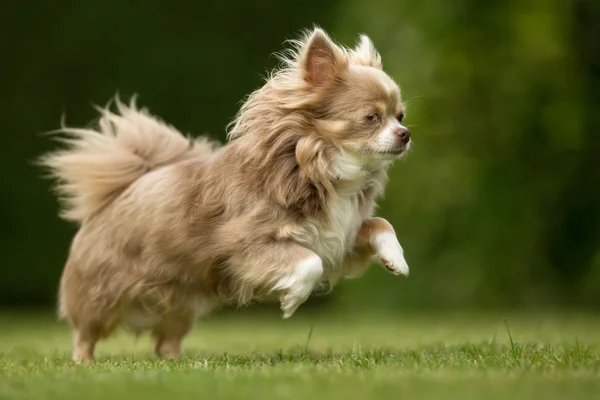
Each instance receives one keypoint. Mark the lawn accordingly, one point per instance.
(250, 356)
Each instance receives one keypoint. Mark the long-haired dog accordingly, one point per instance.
(171, 228)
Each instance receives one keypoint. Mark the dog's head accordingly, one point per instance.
(329, 112)
(326, 97)
(359, 107)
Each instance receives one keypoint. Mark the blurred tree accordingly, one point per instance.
(497, 204)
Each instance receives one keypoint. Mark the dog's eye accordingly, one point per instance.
(400, 117)
(372, 117)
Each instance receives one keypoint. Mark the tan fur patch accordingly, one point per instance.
(168, 223)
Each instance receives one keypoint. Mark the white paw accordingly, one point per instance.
(298, 286)
(290, 303)
(391, 253)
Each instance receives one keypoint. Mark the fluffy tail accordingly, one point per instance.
(97, 164)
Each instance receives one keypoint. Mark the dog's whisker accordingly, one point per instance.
(412, 100)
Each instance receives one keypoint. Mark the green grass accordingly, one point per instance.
(248, 356)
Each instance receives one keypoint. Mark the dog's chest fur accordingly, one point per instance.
(335, 237)
(332, 236)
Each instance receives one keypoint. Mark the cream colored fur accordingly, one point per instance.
(172, 228)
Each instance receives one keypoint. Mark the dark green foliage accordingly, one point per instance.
(498, 204)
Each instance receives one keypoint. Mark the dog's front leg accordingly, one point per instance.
(281, 269)
(378, 238)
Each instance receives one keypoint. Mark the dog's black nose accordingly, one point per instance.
(403, 134)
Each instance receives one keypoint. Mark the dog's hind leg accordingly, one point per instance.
(169, 333)
(87, 333)
(90, 323)
(84, 343)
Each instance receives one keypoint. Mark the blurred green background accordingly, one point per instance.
(497, 206)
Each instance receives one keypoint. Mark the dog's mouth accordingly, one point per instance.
(391, 152)
(396, 151)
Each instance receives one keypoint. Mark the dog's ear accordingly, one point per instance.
(366, 54)
(321, 60)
